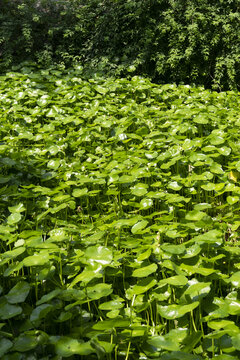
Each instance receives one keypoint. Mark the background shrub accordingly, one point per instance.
(190, 41)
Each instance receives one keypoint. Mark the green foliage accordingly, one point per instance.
(195, 41)
(119, 233)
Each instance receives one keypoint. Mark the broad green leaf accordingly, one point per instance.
(98, 291)
(14, 218)
(210, 236)
(36, 260)
(145, 255)
(8, 311)
(216, 139)
(57, 235)
(145, 271)
(40, 312)
(66, 346)
(141, 287)
(17, 208)
(232, 200)
(113, 323)
(192, 251)
(162, 342)
(18, 293)
(99, 254)
(195, 215)
(173, 249)
(110, 305)
(176, 311)
(236, 341)
(216, 168)
(191, 341)
(196, 290)
(201, 119)
(220, 324)
(174, 186)
(224, 150)
(178, 280)
(209, 186)
(54, 164)
(202, 206)
(47, 297)
(5, 345)
(238, 166)
(25, 343)
(138, 227)
(139, 189)
(146, 203)
(100, 350)
(80, 192)
(13, 253)
(190, 270)
(235, 279)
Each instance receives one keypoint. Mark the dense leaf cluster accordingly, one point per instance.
(119, 221)
(193, 41)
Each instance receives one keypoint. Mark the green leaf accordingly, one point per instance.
(99, 254)
(145, 271)
(201, 119)
(191, 341)
(238, 166)
(235, 279)
(110, 305)
(40, 312)
(25, 343)
(216, 139)
(178, 280)
(14, 218)
(98, 291)
(5, 345)
(174, 186)
(220, 324)
(66, 346)
(224, 150)
(47, 297)
(216, 168)
(173, 249)
(36, 260)
(162, 342)
(54, 164)
(110, 324)
(18, 293)
(139, 189)
(236, 341)
(141, 287)
(80, 192)
(176, 311)
(231, 200)
(210, 236)
(146, 203)
(196, 290)
(8, 311)
(17, 208)
(195, 215)
(138, 227)
(57, 235)
(209, 186)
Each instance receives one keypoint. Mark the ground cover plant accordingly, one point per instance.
(119, 219)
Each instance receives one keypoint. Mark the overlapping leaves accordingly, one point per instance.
(119, 218)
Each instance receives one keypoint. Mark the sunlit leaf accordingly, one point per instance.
(144, 271)
(176, 311)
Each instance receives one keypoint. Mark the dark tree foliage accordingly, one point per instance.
(190, 41)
